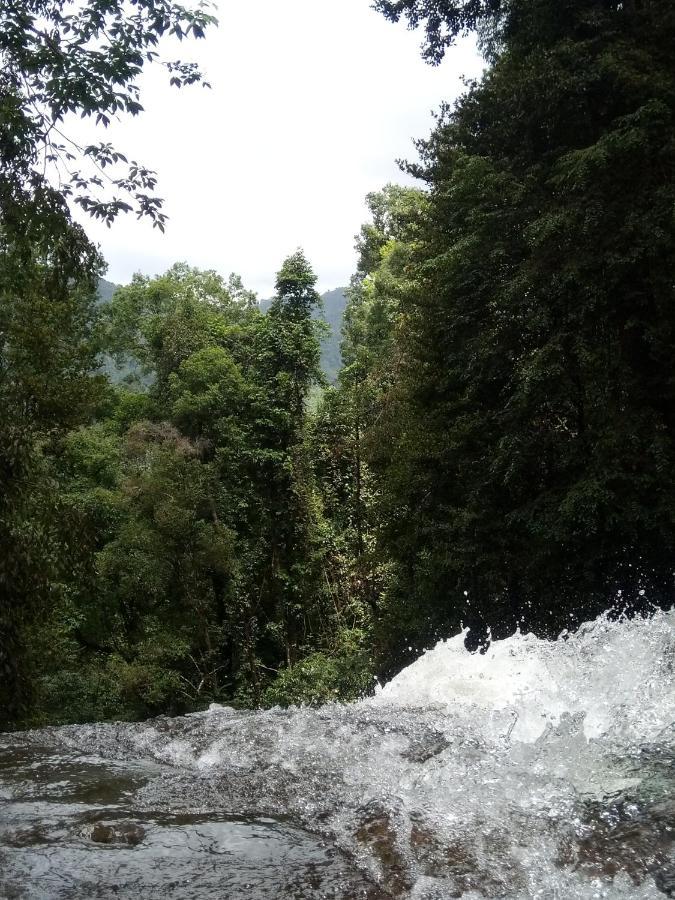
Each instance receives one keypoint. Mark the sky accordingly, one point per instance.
(312, 103)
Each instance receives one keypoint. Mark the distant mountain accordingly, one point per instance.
(334, 303)
(129, 372)
(105, 290)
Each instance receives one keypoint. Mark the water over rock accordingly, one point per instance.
(537, 769)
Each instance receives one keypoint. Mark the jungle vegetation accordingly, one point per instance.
(221, 523)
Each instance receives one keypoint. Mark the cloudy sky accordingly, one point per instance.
(312, 103)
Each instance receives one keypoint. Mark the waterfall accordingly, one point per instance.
(542, 769)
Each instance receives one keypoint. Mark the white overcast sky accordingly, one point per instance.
(312, 103)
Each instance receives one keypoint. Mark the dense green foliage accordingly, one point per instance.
(190, 511)
(205, 563)
(45, 388)
(331, 311)
(526, 449)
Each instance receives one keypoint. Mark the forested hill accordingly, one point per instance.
(106, 289)
(334, 303)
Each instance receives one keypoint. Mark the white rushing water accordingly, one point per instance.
(538, 769)
(617, 675)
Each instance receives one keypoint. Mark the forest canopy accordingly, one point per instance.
(216, 522)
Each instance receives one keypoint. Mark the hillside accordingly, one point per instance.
(105, 291)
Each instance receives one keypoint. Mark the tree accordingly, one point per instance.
(57, 58)
(289, 363)
(163, 577)
(153, 612)
(529, 449)
(444, 20)
(233, 384)
(46, 386)
(496, 22)
(295, 333)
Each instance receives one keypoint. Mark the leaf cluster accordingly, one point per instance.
(60, 58)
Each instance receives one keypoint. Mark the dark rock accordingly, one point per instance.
(624, 838)
(102, 834)
(131, 834)
(664, 879)
(426, 746)
(377, 832)
(122, 833)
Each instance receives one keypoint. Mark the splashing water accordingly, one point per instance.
(537, 770)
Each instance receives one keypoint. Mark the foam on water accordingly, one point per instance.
(539, 769)
(618, 675)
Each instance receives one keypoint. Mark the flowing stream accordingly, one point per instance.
(539, 769)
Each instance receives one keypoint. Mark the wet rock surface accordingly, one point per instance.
(547, 774)
(426, 746)
(60, 841)
(664, 878)
(120, 833)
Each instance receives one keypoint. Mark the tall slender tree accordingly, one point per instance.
(292, 351)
